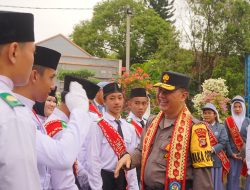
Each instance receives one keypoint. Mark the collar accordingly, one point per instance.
(6, 83)
(26, 101)
(110, 117)
(165, 123)
(213, 124)
(96, 103)
(134, 117)
(59, 113)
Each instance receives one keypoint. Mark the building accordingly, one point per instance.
(75, 58)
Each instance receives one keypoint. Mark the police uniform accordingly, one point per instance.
(102, 159)
(17, 134)
(163, 153)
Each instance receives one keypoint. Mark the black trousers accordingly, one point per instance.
(112, 183)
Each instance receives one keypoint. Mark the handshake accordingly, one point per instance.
(76, 97)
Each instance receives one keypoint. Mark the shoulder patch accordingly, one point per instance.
(10, 100)
(200, 147)
(54, 126)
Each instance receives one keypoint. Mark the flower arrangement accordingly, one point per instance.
(214, 91)
(135, 79)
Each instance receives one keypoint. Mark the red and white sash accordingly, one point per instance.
(235, 133)
(238, 141)
(178, 150)
(138, 128)
(222, 155)
(52, 128)
(114, 139)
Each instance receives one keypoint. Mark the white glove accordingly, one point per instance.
(76, 97)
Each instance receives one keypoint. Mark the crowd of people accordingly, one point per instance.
(84, 143)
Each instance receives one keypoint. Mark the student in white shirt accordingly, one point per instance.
(102, 157)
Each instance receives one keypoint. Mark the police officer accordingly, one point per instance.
(18, 168)
(175, 151)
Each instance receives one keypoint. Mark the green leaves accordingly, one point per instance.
(105, 34)
(79, 73)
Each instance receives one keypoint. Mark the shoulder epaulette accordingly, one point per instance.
(10, 100)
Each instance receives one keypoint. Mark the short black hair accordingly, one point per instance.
(40, 69)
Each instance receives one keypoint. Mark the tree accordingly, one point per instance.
(219, 32)
(165, 8)
(104, 34)
(83, 73)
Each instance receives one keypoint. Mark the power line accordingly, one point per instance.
(45, 8)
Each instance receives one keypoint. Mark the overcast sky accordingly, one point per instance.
(52, 22)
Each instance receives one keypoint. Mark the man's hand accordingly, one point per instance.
(236, 156)
(76, 97)
(124, 161)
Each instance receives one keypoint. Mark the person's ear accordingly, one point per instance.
(13, 52)
(34, 76)
(129, 103)
(184, 95)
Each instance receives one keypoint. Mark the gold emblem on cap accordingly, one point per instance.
(165, 78)
(11, 98)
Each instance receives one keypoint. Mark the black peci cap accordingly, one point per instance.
(111, 88)
(16, 27)
(138, 92)
(90, 87)
(172, 80)
(46, 57)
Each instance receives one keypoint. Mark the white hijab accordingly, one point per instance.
(238, 119)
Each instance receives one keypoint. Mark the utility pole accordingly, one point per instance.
(129, 13)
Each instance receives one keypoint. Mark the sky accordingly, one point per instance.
(52, 22)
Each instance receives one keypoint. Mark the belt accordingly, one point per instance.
(189, 186)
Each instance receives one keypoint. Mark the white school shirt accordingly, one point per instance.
(83, 164)
(82, 156)
(18, 162)
(43, 170)
(61, 154)
(131, 115)
(61, 179)
(102, 156)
